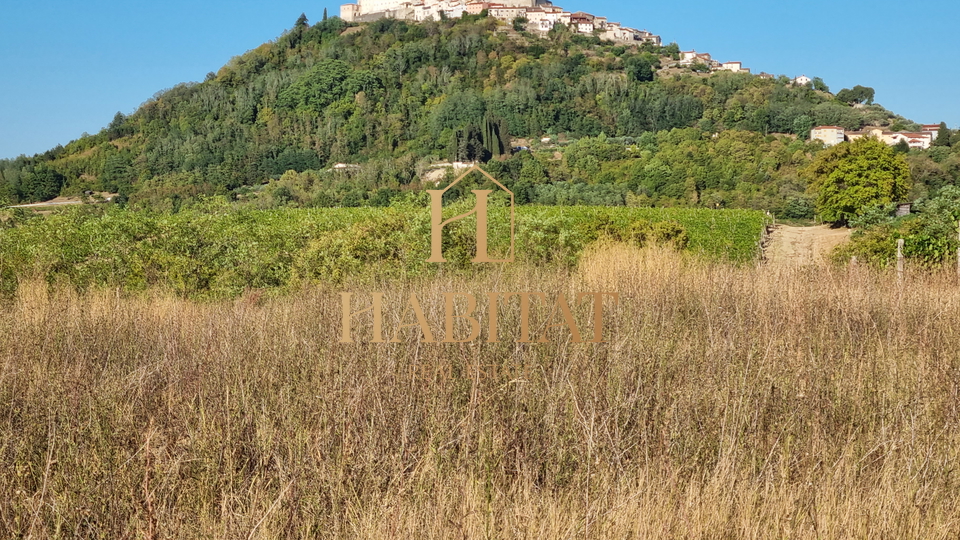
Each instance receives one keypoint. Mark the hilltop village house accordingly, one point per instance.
(689, 58)
(541, 15)
(831, 135)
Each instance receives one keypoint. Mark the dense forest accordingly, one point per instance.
(596, 123)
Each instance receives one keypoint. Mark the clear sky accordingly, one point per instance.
(67, 67)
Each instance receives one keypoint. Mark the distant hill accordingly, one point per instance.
(396, 96)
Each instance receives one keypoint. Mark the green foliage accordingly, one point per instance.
(325, 83)
(834, 114)
(930, 236)
(567, 194)
(875, 246)
(852, 177)
(857, 94)
(641, 67)
(943, 135)
(209, 248)
(874, 215)
(118, 174)
(802, 126)
(40, 184)
(799, 208)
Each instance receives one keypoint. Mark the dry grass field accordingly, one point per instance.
(730, 402)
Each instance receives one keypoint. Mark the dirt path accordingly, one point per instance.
(798, 246)
(63, 201)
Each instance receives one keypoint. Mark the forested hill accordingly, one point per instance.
(395, 96)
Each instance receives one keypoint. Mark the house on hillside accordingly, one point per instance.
(932, 129)
(734, 67)
(921, 140)
(829, 135)
(582, 22)
(476, 8)
(646, 37)
(689, 58)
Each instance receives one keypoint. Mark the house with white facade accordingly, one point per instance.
(801, 80)
(582, 22)
(733, 67)
(932, 129)
(689, 58)
(919, 140)
(544, 19)
(506, 13)
(829, 135)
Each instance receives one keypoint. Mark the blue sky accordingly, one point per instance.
(68, 67)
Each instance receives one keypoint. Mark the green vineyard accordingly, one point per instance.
(215, 250)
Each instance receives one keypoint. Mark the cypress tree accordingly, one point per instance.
(943, 136)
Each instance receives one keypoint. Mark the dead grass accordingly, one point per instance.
(730, 403)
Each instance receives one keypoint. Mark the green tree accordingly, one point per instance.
(802, 126)
(317, 88)
(672, 50)
(117, 173)
(42, 184)
(117, 127)
(852, 177)
(639, 68)
(943, 136)
(857, 94)
(818, 84)
(324, 13)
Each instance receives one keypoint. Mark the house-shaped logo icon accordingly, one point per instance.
(437, 223)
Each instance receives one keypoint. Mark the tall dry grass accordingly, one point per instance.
(729, 403)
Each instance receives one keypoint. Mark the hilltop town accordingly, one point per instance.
(540, 16)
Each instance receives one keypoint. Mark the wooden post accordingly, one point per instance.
(900, 258)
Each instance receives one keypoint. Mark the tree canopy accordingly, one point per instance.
(852, 177)
(857, 94)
